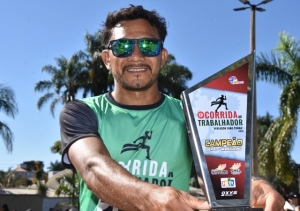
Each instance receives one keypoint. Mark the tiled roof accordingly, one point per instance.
(20, 170)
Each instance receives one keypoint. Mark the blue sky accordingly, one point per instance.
(204, 35)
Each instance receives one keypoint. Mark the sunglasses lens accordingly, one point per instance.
(149, 47)
(122, 48)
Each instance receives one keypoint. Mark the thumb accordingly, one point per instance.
(197, 203)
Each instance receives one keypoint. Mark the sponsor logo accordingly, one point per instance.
(228, 183)
(234, 80)
(235, 169)
(228, 193)
(219, 170)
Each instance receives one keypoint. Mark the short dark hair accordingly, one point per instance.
(292, 195)
(133, 13)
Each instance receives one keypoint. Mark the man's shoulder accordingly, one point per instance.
(173, 100)
(93, 99)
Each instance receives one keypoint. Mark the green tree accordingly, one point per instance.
(9, 106)
(10, 179)
(281, 67)
(7, 178)
(68, 183)
(263, 124)
(56, 166)
(99, 75)
(69, 186)
(2, 177)
(33, 165)
(173, 77)
(67, 79)
(56, 148)
(40, 176)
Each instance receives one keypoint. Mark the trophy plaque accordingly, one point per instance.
(219, 119)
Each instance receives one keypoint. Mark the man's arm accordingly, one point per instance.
(116, 186)
(109, 181)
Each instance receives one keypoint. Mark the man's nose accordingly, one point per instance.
(136, 54)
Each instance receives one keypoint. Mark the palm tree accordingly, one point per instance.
(66, 80)
(9, 106)
(56, 148)
(10, 179)
(173, 77)
(39, 175)
(263, 124)
(281, 67)
(99, 75)
(68, 183)
(56, 166)
(69, 186)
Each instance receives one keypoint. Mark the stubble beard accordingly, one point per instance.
(137, 85)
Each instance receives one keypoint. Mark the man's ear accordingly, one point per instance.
(164, 57)
(106, 59)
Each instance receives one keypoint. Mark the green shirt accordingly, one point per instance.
(149, 141)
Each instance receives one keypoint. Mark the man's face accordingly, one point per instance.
(294, 200)
(135, 72)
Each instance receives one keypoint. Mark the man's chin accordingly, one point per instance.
(138, 87)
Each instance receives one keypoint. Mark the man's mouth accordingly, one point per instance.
(136, 68)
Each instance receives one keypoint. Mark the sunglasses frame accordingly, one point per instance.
(135, 41)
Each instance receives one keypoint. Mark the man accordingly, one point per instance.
(99, 134)
(292, 203)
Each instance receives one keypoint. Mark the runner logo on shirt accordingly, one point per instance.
(139, 143)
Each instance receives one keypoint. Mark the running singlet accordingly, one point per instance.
(149, 141)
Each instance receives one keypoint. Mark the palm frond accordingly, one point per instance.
(42, 100)
(290, 100)
(43, 85)
(173, 77)
(93, 42)
(266, 149)
(288, 48)
(282, 148)
(53, 104)
(61, 62)
(7, 136)
(7, 101)
(269, 69)
(49, 69)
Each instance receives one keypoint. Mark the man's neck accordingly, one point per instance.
(126, 97)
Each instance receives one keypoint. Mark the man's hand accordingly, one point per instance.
(263, 195)
(168, 198)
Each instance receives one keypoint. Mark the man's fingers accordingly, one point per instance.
(196, 203)
(265, 196)
(273, 204)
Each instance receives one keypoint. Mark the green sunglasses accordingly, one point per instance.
(122, 48)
